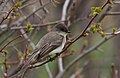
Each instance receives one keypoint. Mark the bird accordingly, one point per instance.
(51, 43)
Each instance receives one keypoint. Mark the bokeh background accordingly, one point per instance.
(99, 61)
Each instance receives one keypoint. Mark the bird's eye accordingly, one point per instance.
(62, 29)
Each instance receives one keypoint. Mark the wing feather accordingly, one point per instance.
(47, 43)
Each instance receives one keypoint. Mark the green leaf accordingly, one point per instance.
(18, 14)
(95, 10)
(98, 25)
(93, 29)
(114, 30)
(103, 35)
(98, 9)
(29, 27)
(18, 4)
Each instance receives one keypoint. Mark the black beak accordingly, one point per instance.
(68, 31)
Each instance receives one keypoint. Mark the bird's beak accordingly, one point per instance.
(68, 31)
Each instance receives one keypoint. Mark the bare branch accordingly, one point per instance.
(4, 18)
(113, 13)
(44, 9)
(31, 3)
(79, 71)
(64, 11)
(35, 25)
(4, 4)
(48, 70)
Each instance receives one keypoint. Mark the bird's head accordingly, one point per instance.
(61, 28)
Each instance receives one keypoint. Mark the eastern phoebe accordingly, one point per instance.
(51, 43)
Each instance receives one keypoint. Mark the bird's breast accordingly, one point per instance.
(60, 48)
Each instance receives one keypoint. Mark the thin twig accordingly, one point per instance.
(4, 18)
(113, 13)
(116, 2)
(60, 64)
(8, 36)
(104, 14)
(48, 70)
(31, 3)
(5, 64)
(27, 38)
(1, 50)
(79, 71)
(64, 11)
(44, 9)
(3, 6)
(1, 2)
(10, 63)
(36, 25)
(10, 42)
(35, 11)
(22, 20)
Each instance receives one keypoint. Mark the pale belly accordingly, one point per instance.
(59, 49)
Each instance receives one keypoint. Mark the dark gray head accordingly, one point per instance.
(61, 27)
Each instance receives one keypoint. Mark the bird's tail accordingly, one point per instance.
(23, 65)
(30, 59)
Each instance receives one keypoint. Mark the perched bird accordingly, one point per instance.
(51, 43)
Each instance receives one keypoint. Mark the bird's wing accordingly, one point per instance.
(45, 46)
(51, 46)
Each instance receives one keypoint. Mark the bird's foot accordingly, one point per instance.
(69, 41)
(49, 58)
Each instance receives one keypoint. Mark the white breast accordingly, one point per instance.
(60, 48)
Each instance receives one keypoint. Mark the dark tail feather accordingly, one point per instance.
(22, 66)
(30, 60)
(16, 70)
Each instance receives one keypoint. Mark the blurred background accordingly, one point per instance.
(98, 64)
